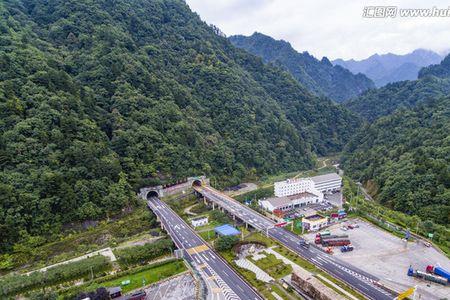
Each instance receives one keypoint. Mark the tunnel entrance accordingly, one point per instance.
(152, 194)
(197, 182)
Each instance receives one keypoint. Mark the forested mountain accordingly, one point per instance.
(100, 97)
(441, 70)
(383, 101)
(320, 77)
(388, 68)
(404, 159)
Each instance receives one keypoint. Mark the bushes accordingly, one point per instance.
(219, 217)
(15, 284)
(71, 292)
(142, 254)
(224, 243)
(58, 249)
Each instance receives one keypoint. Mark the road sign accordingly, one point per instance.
(281, 224)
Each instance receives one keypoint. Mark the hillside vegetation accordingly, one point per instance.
(98, 98)
(320, 77)
(406, 155)
(433, 82)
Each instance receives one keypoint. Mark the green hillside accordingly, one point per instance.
(405, 156)
(98, 98)
(377, 103)
(320, 77)
(433, 82)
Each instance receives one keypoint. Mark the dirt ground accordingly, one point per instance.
(388, 257)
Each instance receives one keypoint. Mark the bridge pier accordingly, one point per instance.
(213, 205)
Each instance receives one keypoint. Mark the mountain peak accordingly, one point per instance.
(390, 67)
(319, 76)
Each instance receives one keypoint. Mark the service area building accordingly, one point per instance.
(328, 182)
(314, 222)
(297, 192)
(289, 202)
(200, 221)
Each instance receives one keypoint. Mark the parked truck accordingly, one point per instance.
(438, 271)
(336, 242)
(320, 238)
(427, 276)
(323, 233)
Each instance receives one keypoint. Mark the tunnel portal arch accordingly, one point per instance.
(152, 194)
(197, 182)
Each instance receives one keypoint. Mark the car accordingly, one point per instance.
(304, 243)
(344, 228)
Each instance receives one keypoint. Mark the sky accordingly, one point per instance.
(336, 29)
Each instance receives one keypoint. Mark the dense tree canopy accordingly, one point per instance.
(441, 70)
(406, 155)
(320, 77)
(100, 97)
(376, 103)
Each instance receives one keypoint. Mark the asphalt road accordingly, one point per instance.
(197, 252)
(361, 281)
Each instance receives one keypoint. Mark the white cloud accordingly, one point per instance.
(335, 29)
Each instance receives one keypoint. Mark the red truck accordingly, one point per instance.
(320, 238)
(336, 242)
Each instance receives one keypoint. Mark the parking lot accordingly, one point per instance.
(179, 288)
(334, 199)
(388, 257)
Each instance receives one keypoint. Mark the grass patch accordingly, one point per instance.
(313, 269)
(273, 266)
(263, 288)
(150, 276)
(150, 273)
(258, 237)
(280, 292)
(208, 235)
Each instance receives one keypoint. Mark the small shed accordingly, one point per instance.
(200, 221)
(226, 229)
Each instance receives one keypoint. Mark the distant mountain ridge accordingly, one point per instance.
(433, 82)
(388, 68)
(319, 76)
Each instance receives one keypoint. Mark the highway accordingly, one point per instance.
(358, 279)
(212, 267)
